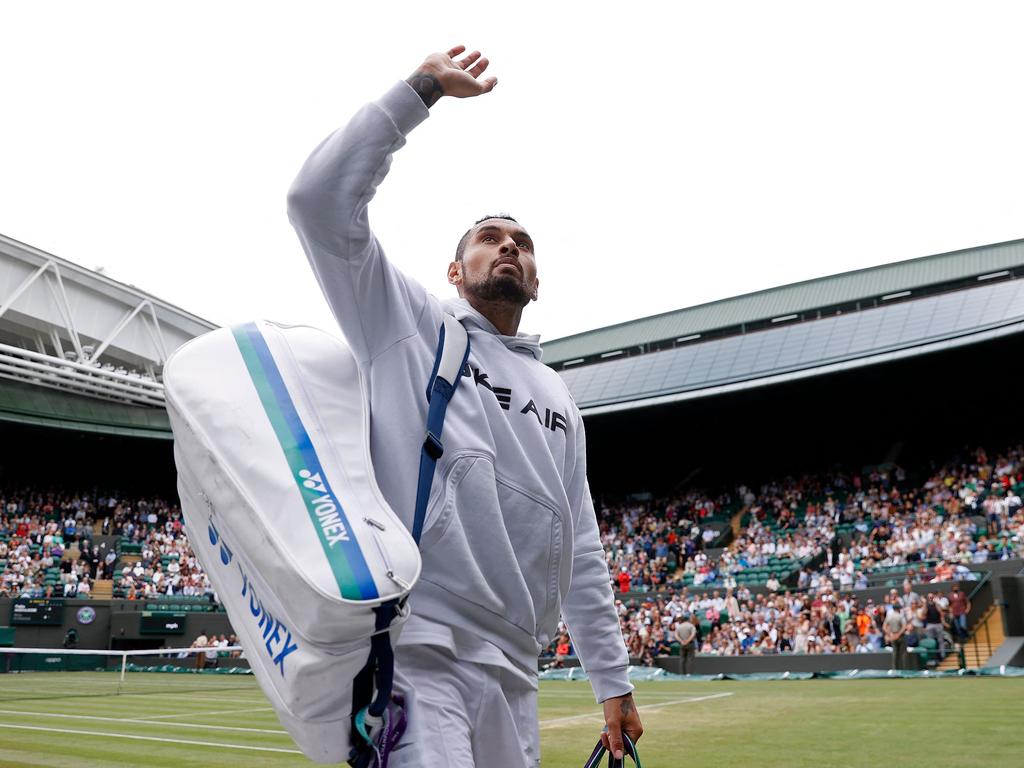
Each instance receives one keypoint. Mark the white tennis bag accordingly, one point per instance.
(271, 429)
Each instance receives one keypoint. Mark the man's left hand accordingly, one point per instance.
(620, 715)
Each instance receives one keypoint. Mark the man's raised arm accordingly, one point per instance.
(327, 204)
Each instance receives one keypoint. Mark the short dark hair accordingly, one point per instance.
(461, 247)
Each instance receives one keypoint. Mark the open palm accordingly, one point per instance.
(459, 78)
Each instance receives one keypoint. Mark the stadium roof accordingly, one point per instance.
(80, 350)
(858, 318)
(763, 306)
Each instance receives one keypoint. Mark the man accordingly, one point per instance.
(686, 634)
(932, 617)
(201, 642)
(910, 599)
(660, 645)
(895, 630)
(211, 652)
(959, 607)
(510, 539)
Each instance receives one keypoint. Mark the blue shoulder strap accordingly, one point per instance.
(452, 353)
(370, 729)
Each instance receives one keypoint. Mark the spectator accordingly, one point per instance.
(686, 635)
(201, 642)
(959, 607)
(932, 617)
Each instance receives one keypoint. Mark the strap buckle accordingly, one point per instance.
(432, 445)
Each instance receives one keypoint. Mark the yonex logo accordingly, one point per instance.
(277, 638)
(326, 508)
(312, 480)
(312, 485)
(225, 553)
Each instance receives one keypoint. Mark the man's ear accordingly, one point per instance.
(536, 287)
(455, 273)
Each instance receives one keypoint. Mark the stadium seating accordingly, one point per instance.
(48, 547)
(725, 558)
(967, 512)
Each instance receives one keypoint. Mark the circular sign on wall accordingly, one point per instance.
(86, 615)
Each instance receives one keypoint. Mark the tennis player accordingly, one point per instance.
(511, 540)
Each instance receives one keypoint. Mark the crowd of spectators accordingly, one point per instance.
(167, 565)
(216, 648)
(827, 536)
(851, 526)
(40, 548)
(48, 546)
(739, 622)
(649, 543)
(963, 513)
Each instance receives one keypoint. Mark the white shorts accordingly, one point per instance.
(462, 714)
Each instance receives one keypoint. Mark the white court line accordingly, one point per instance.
(150, 738)
(200, 714)
(218, 700)
(115, 698)
(143, 722)
(647, 694)
(599, 715)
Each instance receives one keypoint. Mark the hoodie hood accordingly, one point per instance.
(463, 311)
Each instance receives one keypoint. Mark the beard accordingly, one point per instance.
(500, 288)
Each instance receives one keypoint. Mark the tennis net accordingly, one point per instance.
(34, 673)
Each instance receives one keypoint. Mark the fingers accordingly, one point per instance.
(633, 727)
(468, 60)
(615, 740)
(635, 732)
(479, 68)
(449, 71)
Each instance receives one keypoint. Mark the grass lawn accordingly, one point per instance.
(76, 720)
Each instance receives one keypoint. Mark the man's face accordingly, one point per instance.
(498, 264)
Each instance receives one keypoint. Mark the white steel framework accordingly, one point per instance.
(67, 328)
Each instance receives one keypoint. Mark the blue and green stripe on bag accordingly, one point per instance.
(355, 581)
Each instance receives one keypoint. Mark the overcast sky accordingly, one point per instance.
(661, 154)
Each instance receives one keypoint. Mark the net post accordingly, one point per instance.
(124, 666)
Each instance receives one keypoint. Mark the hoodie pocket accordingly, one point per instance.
(495, 545)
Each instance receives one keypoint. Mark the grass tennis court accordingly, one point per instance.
(180, 721)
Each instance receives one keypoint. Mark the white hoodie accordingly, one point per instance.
(510, 539)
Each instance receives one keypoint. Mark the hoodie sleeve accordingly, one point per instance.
(588, 607)
(374, 303)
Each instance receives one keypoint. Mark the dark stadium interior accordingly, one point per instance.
(910, 411)
(64, 459)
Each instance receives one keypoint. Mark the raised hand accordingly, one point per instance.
(441, 75)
